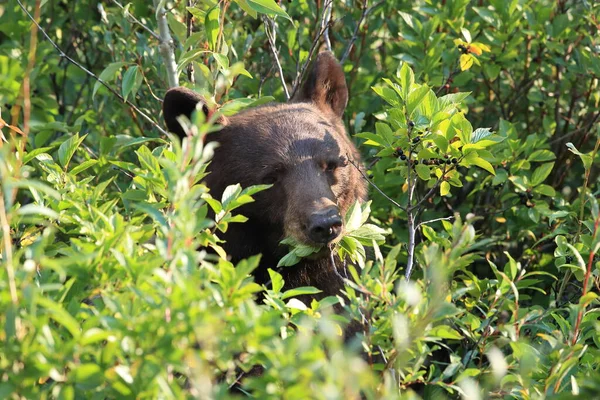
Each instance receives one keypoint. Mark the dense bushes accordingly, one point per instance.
(479, 124)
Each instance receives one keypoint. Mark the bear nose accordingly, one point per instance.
(325, 226)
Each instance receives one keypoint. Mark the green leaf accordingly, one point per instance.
(211, 25)
(67, 149)
(545, 190)
(480, 134)
(246, 7)
(387, 94)
(268, 7)
(415, 97)
(276, 280)
(541, 155)
(288, 260)
(586, 158)
(132, 80)
(222, 60)
(30, 155)
(83, 166)
(88, 375)
(473, 158)
(541, 173)
(107, 75)
(423, 171)
(407, 79)
(300, 291)
(445, 332)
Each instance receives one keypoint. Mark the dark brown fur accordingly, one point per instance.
(302, 148)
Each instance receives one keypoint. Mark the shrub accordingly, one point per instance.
(479, 126)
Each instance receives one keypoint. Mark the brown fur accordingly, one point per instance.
(302, 148)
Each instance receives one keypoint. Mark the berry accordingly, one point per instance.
(411, 124)
(569, 259)
(416, 162)
(541, 104)
(416, 140)
(446, 156)
(448, 161)
(530, 195)
(455, 160)
(402, 157)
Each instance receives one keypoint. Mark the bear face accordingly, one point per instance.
(302, 149)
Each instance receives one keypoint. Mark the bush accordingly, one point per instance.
(479, 127)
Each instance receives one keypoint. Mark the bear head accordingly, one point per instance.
(300, 147)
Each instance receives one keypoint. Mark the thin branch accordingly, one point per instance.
(433, 220)
(189, 24)
(366, 11)
(8, 256)
(136, 21)
(300, 74)
(586, 280)
(365, 177)
(166, 45)
(81, 67)
(271, 36)
(325, 24)
(584, 128)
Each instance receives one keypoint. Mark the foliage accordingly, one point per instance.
(107, 289)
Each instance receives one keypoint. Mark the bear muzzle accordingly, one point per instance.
(324, 226)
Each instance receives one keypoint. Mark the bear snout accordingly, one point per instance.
(324, 226)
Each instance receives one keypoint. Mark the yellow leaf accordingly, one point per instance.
(466, 61)
(501, 220)
(473, 48)
(444, 188)
(483, 47)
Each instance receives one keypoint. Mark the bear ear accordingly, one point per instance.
(183, 101)
(326, 85)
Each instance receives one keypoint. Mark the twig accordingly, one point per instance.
(325, 24)
(8, 256)
(137, 21)
(270, 32)
(166, 44)
(300, 74)
(576, 131)
(410, 216)
(433, 220)
(366, 11)
(586, 280)
(365, 177)
(189, 24)
(81, 67)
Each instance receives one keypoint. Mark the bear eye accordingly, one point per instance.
(331, 166)
(269, 179)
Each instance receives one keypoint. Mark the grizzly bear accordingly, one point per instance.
(302, 149)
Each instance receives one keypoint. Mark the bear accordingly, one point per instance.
(302, 149)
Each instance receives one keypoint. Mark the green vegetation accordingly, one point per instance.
(479, 125)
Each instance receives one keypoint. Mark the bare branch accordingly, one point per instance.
(81, 67)
(325, 24)
(166, 44)
(366, 11)
(300, 74)
(433, 220)
(135, 20)
(365, 177)
(189, 24)
(271, 36)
